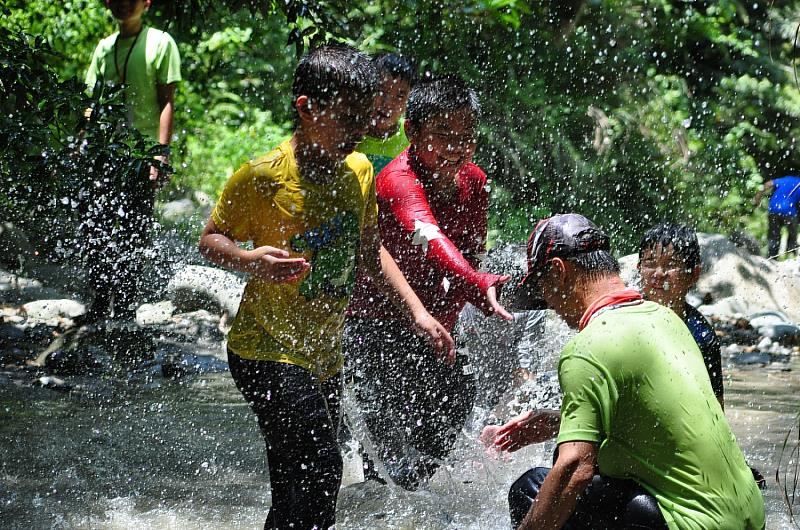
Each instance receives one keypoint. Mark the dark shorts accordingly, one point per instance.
(413, 404)
(606, 504)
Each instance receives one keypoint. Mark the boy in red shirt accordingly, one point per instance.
(432, 203)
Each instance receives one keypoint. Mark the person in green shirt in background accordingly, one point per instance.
(642, 440)
(146, 62)
(386, 137)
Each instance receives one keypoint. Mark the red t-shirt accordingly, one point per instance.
(435, 241)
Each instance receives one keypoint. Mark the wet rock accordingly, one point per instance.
(764, 343)
(18, 289)
(154, 314)
(76, 361)
(729, 306)
(767, 318)
(53, 383)
(752, 358)
(11, 333)
(45, 310)
(196, 287)
(783, 333)
(13, 355)
(746, 241)
(177, 211)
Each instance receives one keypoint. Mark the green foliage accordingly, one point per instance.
(629, 112)
(217, 150)
(52, 153)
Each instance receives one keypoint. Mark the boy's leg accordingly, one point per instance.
(774, 225)
(373, 354)
(791, 245)
(606, 503)
(137, 202)
(446, 395)
(414, 404)
(298, 418)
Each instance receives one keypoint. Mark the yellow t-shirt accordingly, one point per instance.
(268, 202)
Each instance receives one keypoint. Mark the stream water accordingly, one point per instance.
(153, 453)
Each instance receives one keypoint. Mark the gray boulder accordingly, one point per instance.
(196, 287)
(45, 310)
(177, 211)
(154, 314)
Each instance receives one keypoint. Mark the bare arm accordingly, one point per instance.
(766, 188)
(388, 278)
(268, 263)
(572, 472)
(166, 102)
(535, 426)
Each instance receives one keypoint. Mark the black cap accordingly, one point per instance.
(559, 236)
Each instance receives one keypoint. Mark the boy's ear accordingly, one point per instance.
(303, 106)
(559, 267)
(409, 128)
(696, 271)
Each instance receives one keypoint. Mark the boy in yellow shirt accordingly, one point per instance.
(309, 208)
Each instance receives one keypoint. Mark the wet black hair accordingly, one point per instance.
(682, 238)
(333, 69)
(395, 66)
(596, 261)
(438, 96)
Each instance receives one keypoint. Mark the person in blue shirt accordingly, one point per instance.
(782, 211)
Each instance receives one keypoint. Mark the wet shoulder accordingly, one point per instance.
(275, 167)
(107, 44)
(359, 164)
(615, 328)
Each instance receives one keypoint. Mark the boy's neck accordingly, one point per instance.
(130, 27)
(313, 166)
(436, 184)
(678, 307)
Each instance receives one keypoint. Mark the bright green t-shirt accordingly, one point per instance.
(634, 382)
(382, 151)
(153, 61)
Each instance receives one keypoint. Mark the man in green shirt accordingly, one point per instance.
(146, 62)
(642, 440)
(386, 137)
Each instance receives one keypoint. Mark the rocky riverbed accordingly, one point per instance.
(177, 342)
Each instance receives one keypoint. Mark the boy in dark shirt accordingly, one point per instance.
(669, 263)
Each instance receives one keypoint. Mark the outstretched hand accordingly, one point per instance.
(437, 336)
(530, 427)
(491, 297)
(274, 265)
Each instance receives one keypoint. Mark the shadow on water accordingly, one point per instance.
(154, 453)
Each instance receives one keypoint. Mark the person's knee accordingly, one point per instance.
(643, 512)
(523, 492)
